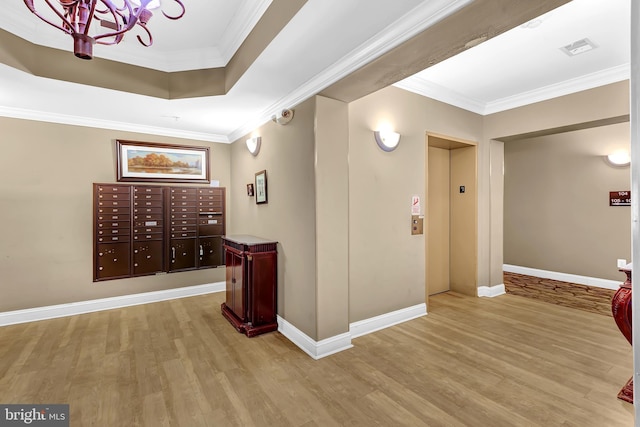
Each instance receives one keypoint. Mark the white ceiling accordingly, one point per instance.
(325, 41)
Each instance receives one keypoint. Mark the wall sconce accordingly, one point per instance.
(253, 145)
(619, 159)
(387, 140)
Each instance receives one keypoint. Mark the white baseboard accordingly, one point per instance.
(491, 291)
(366, 326)
(564, 277)
(315, 349)
(71, 309)
(335, 344)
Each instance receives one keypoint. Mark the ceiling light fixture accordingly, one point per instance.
(77, 16)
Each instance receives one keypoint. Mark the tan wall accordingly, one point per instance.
(596, 104)
(332, 216)
(557, 215)
(287, 154)
(387, 263)
(46, 215)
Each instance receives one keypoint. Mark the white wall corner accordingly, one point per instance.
(81, 307)
(315, 349)
(564, 277)
(491, 291)
(366, 326)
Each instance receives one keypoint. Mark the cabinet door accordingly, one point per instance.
(235, 285)
(182, 254)
(262, 279)
(112, 260)
(147, 257)
(210, 251)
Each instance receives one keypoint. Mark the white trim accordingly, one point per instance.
(81, 307)
(412, 23)
(424, 87)
(335, 344)
(366, 326)
(44, 116)
(491, 291)
(315, 349)
(564, 277)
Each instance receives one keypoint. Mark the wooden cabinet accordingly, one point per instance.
(149, 229)
(251, 283)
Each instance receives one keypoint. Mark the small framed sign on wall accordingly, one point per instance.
(261, 187)
(620, 198)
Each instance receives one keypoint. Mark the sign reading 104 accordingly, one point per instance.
(620, 198)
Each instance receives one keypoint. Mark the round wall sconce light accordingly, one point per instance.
(619, 159)
(253, 145)
(387, 140)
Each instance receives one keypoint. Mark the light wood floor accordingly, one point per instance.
(506, 361)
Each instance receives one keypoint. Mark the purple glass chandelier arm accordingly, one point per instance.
(91, 13)
(178, 16)
(128, 24)
(32, 8)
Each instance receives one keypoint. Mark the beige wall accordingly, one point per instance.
(574, 110)
(287, 154)
(557, 215)
(387, 263)
(46, 213)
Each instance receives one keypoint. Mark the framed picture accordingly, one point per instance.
(261, 187)
(250, 190)
(147, 161)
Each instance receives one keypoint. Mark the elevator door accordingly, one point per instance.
(452, 237)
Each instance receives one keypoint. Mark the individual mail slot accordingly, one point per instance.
(183, 234)
(182, 210)
(209, 221)
(112, 210)
(146, 230)
(144, 191)
(183, 228)
(149, 236)
(113, 224)
(206, 210)
(139, 223)
(147, 217)
(210, 230)
(189, 221)
(114, 203)
(211, 198)
(183, 191)
(107, 189)
(148, 198)
(148, 210)
(113, 232)
(184, 215)
(106, 239)
(143, 204)
(180, 204)
(113, 218)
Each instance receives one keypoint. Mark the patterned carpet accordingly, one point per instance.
(587, 298)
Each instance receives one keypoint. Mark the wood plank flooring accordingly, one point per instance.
(581, 297)
(506, 361)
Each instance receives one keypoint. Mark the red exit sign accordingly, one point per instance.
(620, 198)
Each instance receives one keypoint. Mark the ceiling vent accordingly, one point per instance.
(578, 47)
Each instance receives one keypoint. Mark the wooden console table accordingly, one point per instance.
(251, 283)
(621, 309)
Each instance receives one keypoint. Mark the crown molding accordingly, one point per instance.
(431, 90)
(440, 93)
(243, 22)
(578, 84)
(412, 23)
(19, 113)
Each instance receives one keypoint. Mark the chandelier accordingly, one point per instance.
(114, 20)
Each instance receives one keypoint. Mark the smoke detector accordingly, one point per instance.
(578, 47)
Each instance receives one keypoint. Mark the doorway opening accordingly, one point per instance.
(452, 211)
